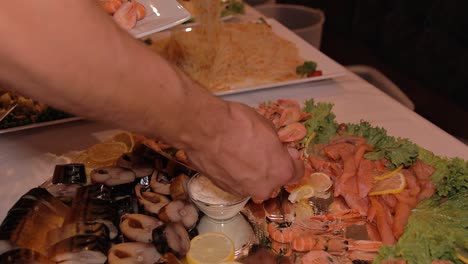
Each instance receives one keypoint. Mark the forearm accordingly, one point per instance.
(81, 62)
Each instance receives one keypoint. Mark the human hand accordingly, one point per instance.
(245, 156)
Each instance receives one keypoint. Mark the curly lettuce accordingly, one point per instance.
(451, 175)
(434, 231)
(399, 151)
(321, 125)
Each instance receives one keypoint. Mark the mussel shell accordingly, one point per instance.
(23, 256)
(69, 174)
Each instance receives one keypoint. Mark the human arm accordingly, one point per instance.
(72, 56)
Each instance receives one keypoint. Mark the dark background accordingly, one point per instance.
(422, 46)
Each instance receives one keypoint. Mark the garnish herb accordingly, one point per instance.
(306, 69)
(233, 7)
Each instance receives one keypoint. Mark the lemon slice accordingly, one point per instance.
(303, 192)
(210, 248)
(388, 174)
(462, 254)
(390, 185)
(307, 143)
(107, 151)
(126, 138)
(320, 181)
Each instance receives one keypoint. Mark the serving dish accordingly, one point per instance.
(352, 230)
(160, 15)
(330, 68)
(305, 53)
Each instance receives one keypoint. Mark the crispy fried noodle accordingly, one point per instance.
(223, 56)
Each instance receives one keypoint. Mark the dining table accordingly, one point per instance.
(28, 157)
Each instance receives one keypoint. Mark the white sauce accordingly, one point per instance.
(204, 190)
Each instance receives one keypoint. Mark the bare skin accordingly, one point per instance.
(71, 55)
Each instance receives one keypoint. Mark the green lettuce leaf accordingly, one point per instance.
(322, 122)
(434, 231)
(451, 175)
(398, 151)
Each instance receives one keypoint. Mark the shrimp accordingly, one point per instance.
(140, 11)
(283, 232)
(318, 257)
(292, 132)
(110, 6)
(309, 241)
(354, 249)
(126, 15)
(288, 116)
(281, 249)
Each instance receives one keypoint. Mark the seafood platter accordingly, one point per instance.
(365, 197)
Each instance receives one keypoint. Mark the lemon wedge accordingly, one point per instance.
(307, 143)
(389, 185)
(107, 151)
(388, 174)
(125, 138)
(303, 192)
(462, 254)
(210, 248)
(320, 181)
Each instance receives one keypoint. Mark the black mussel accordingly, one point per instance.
(31, 218)
(23, 256)
(69, 174)
(80, 249)
(172, 237)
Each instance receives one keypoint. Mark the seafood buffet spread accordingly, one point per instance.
(365, 197)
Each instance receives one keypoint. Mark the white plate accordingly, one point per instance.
(160, 15)
(41, 124)
(329, 67)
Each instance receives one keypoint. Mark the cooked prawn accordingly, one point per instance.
(292, 132)
(126, 15)
(318, 257)
(283, 232)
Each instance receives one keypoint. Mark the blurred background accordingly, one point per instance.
(421, 46)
